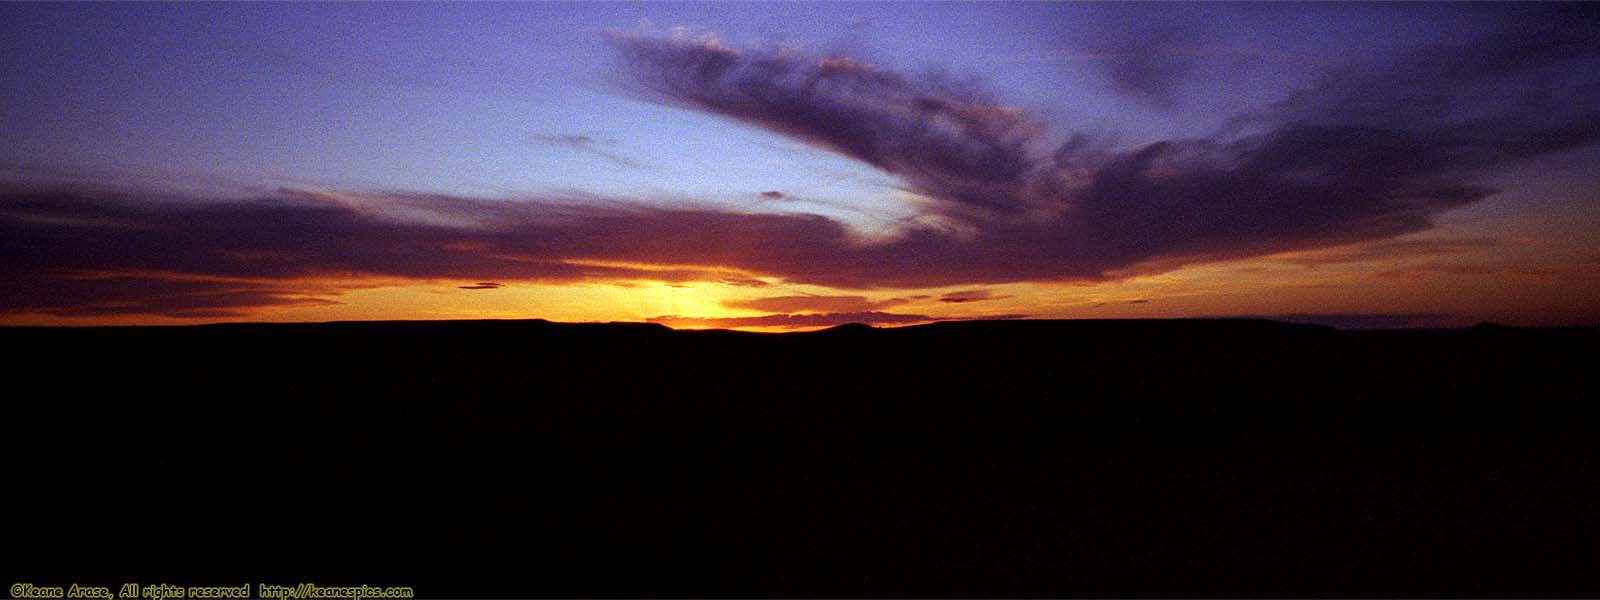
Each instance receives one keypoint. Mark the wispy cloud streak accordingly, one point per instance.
(1316, 170)
(584, 144)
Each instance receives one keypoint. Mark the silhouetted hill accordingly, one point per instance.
(998, 458)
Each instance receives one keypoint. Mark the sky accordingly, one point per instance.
(783, 166)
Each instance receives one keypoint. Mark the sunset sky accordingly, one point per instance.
(774, 166)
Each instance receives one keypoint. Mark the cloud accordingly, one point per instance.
(85, 250)
(936, 134)
(1505, 84)
(772, 195)
(1400, 248)
(743, 282)
(790, 304)
(149, 294)
(483, 285)
(568, 141)
(586, 145)
(1512, 271)
(1318, 170)
(1339, 163)
(970, 296)
(1144, 51)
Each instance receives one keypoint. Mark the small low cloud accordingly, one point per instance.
(1513, 271)
(584, 144)
(772, 195)
(970, 296)
(743, 282)
(482, 285)
(570, 141)
(1395, 249)
(814, 304)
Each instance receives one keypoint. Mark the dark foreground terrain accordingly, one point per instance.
(973, 459)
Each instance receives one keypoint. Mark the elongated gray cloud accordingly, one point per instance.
(970, 296)
(830, 304)
(941, 138)
(584, 144)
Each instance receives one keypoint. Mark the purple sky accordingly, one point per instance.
(853, 146)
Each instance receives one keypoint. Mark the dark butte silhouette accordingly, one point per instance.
(528, 458)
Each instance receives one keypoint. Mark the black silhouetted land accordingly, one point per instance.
(1103, 458)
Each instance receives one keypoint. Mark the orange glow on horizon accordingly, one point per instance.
(1460, 278)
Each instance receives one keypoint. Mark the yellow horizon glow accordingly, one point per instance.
(1520, 281)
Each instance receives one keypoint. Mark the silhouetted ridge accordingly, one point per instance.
(980, 458)
(849, 329)
(1489, 327)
